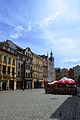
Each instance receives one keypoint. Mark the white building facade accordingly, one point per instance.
(51, 69)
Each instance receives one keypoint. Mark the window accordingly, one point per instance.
(0, 69)
(9, 60)
(21, 65)
(20, 57)
(0, 57)
(27, 59)
(13, 62)
(8, 70)
(4, 69)
(5, 59)
(21, 74)
(31, 75)
(31, 67)
(18, 65)
(18, 73)
(13, 71)
(26, 74)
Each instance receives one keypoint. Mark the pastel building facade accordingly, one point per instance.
(37, 74)
(7, 67)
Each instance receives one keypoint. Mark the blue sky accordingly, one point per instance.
(44, 25)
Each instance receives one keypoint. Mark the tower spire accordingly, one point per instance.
(51, 57)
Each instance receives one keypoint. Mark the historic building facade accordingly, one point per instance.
(64, 72)
(51, 69)
(20, 68)
(19, 64)
(76, 72)
(7, 67)
(23, 66)
(45, 67)
(28, 68)
(57, 73)
(71, 73)
(37, 75)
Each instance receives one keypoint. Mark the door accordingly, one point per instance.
(4, 85)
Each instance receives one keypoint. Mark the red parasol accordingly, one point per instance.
(67, 81)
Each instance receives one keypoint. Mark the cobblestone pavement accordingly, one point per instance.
(36, 105)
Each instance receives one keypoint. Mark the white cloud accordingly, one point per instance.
(19, 28)
(47, 21)
(29, 26)
(72, 60)
(65, 44)
(15, 35)
(18, 32)
(65, 9)
(61, 6)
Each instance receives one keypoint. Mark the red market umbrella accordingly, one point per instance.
(67, 81)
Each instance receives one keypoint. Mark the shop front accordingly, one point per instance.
(19, 85)
(29, 84)
(37, 84)
(11, 84)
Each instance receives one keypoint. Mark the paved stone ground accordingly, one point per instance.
(36, 105)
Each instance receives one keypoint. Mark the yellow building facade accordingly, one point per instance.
(37, 74)
(7, 70)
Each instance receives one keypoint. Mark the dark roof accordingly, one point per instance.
(43, 56)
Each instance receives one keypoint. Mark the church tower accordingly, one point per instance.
(51, 57)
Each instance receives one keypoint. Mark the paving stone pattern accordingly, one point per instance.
(36, 105)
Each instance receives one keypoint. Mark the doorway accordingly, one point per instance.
(11, 84)
(4, 85)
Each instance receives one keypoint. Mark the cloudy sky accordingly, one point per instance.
(44, 25)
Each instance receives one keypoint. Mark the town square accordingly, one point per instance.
(40, 60)
(36, 105)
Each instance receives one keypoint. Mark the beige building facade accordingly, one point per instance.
(7, 69)
(64, 72)
(37, 74)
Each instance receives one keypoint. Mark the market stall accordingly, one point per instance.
(62, 86)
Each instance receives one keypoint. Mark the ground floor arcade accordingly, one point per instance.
(7, 83)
